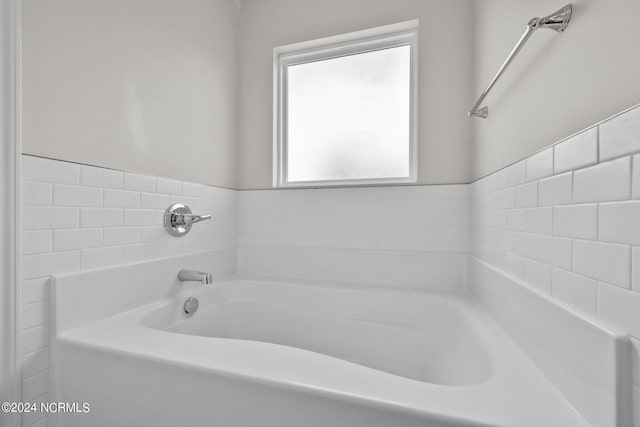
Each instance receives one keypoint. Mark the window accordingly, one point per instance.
(346, 111)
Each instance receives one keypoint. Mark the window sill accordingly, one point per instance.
(348, 183)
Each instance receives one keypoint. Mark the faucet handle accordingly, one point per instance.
(186, 219)
(178, 219)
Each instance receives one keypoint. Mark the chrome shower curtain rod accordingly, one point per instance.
(557, 21)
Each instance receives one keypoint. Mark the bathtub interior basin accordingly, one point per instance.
(423, 336)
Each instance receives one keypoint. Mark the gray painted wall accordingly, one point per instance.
(146, 86)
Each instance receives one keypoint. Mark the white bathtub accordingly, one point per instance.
(289, 353)
(429, 337)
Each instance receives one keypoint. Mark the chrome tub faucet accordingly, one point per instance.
(195, 276)
(178, 219)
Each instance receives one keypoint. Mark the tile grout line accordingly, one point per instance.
(41, 349)
(40, 372)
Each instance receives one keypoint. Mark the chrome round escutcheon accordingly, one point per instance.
(171, 214)
(190, 306)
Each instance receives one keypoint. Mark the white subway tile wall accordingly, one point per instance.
(527, 195)
(410, 235)
(556, 190)
(516, 174)
(576, 152)
(581, 238)
(604, 182)
(78, 217)
(576, 221)
(540, 165)
(620, 136)
(635, 183)
(617, 222)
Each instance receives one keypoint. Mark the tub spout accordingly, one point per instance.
(195, 276)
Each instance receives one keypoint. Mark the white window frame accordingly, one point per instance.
(402, 34)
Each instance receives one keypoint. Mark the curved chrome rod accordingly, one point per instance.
(557, 21)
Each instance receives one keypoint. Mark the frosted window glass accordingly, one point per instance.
(349, 117)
